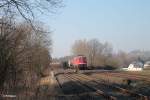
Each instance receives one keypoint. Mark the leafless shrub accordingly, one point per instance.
(23, 55)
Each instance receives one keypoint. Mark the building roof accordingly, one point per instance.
(137, 64)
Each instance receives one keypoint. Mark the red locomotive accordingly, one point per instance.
(78, 62)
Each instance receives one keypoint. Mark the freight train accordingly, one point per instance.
(78, 62)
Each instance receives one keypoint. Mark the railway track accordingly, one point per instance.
(123, 74)
(60, 86)
(75, 90)
(90, 87)
(129, 76)
(116, 88)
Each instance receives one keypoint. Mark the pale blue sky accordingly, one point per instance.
(123, 23)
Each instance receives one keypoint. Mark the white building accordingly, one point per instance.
(135, 66)
(147, 65)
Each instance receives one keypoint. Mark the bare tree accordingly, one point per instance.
(97, 53)
(80, 47)
(28, 9)
(93, 48)
(23, 55)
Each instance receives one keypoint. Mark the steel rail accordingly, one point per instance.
(98, 91)
(60, 86)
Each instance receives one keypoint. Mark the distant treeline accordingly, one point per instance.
(101, 54)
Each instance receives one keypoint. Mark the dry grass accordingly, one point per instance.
(45, 81)
(144, 72)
